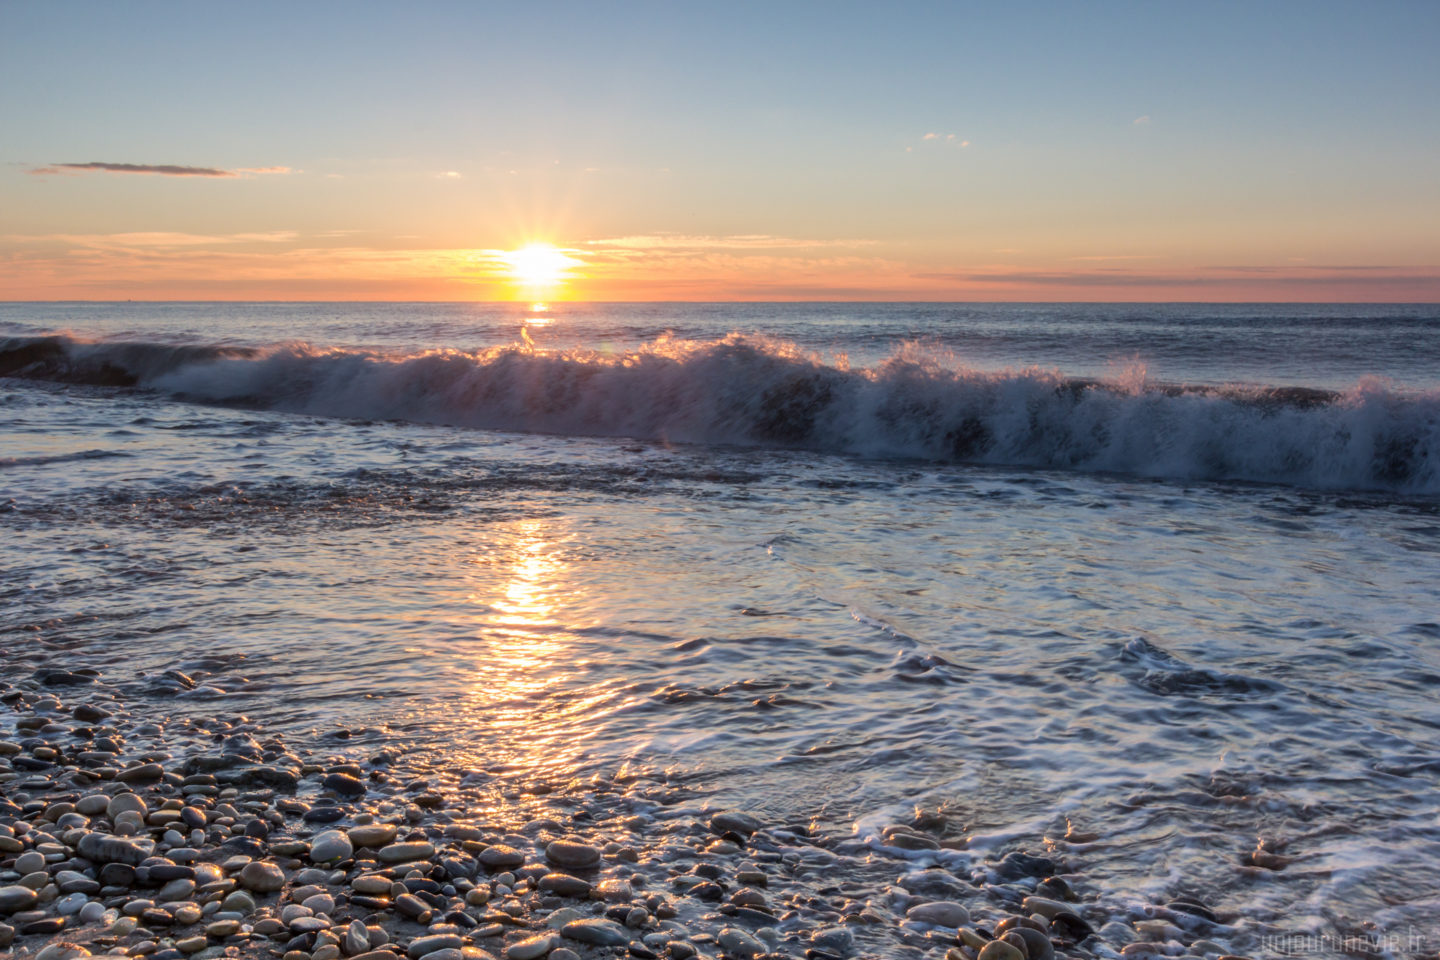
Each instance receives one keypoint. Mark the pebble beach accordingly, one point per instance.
(139, 836)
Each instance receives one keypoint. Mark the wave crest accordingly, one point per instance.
(757, 391)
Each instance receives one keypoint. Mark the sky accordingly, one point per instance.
(720, 151)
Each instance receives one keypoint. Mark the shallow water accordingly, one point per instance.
(1184, 667)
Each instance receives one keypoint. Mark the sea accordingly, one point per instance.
(1150, 588)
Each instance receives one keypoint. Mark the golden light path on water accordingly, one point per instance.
(526, 692)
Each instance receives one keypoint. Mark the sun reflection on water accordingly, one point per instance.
(528, 656)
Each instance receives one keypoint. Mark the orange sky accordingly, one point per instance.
(1162, 152)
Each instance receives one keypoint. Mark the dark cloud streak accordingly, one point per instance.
(161, 169)
(1118, 279)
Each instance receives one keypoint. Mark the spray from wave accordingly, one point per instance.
(756, 391)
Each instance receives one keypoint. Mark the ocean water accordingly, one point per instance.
(1167, 575)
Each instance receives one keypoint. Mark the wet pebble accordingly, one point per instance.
(566, 853)
(262, 877)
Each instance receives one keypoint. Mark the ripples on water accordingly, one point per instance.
(1188, 671)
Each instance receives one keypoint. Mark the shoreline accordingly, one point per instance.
(135, 835)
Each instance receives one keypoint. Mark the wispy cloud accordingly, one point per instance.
(951, 139)
(1119, 256)
(744, 241)
(1141, 121)
(149, 240)
(154, 169)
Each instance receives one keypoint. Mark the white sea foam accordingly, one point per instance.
(757, 391)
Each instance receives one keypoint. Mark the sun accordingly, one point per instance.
(539, 265)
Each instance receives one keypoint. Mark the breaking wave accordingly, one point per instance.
(756, 391)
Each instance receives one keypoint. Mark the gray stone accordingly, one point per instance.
(262, 877)
(238, 901)
(533, 948)
(740, 944)
(1000, 950)
(309, 924)
(62, 951)
(411, 905)
(501, 856)
(373, 834)
(1049, 909)
(833, 940)
(126, 803)
(733, 821)
(102, 848)
(600, 932)
(145, 771)
(70, 905)
(344, 784)
(179, 889)
(357, 938)
(564, 885)
(568, 853)
(29, 862)
(73, 881)
(330, 846)
(405, 852)
(941, 913)
(16, 898)
(421, 946)
(1037, 944)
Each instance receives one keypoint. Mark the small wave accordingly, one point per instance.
(762, 392)
(6, 462)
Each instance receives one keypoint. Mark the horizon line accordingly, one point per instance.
(1377, 303)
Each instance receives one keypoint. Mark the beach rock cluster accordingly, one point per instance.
(192, 840)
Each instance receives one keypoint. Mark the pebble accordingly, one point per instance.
(344, 784)
(733, 822)
(532, 948)
(62, 951)
(357, 938)
(427, 945)
(833, 940)
(103, 848)
(143, 772)
(29, 862)
(1037, 944)
(501, 856)
(564, 885)
(373, 835)
(941, 913)
(16, 898)
(405, 852)
(1049, 909)
(1000, 950)
(238, 902)
(262, 877)
(330, 846)
(566, 853)
(602, 933)
(371, 883)
(740, 944)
